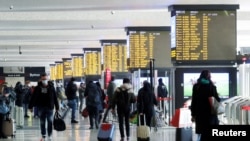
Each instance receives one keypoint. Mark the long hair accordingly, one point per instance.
(205, 74)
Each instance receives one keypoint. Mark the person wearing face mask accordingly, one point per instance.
(45, 99)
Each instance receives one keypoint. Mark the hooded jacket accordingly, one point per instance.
(125, 86)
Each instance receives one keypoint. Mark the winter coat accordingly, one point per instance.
(201, 108)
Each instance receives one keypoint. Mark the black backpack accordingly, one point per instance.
(94, 97)
(123, 99)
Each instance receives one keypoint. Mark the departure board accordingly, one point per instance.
(149, 43)
(207, 36)
(59, 70)
(77, 65)
(92, 63)
(67, 67)
(52, 72)
(115, 57)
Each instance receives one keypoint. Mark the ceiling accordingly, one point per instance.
(47, 31)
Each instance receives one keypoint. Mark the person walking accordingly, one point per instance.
(93, 103)
(103, 96)
(145, 102)
(19, 114)
(201, 104)
(162, 92)
(123, 98)
(110, 92)
(26, 99)
(45, 99)
(81, 91)
(71, 90)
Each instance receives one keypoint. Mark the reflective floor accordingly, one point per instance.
(80, 132)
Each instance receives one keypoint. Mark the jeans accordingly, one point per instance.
(72, 105)
(45, 114)
(25, 109)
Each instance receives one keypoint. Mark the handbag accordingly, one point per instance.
(217, 107)
(4, 109)
(58, 122)
(85, 112)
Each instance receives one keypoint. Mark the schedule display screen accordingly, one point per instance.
(67, 67)
(203, 36)
(77, 62)
(115, 57)
(149, 43)
(59, 70)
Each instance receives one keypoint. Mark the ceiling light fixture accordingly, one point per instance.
(20, 52)
(11, 7)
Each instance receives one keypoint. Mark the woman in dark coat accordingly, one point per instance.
(146, 101)
(201, 110)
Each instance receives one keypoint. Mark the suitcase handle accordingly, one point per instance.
(139, 118)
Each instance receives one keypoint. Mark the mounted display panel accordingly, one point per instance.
(147, 43)
(77, 65)
(115, 55)
(92, 61)
(203, 34)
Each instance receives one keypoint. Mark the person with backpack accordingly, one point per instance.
(146, 101)
(94, 103)
(71, 90)
(123, 98)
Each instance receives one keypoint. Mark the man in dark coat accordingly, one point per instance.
(45, 99)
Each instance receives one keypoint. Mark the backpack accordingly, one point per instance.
(123, 99)
(94, 97)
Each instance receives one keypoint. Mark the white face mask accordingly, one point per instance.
(45, 82)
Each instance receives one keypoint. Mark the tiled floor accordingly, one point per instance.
(80, 132)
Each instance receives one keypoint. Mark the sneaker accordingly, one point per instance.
(122, 139)
(74, 121)
(26, 116)
(50, 138)
(91, 128)
(127, 138)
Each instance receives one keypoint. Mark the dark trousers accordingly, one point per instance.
(93, 116)
(124, 116)
(1, 125)
(106, 113)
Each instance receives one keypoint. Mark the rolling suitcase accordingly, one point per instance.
(9, 127)
(106, 132)
(19, 116)
(143, 131)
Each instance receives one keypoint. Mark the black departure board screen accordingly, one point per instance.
(67, 67)
(203, 36)
(92, 63)
(115, 57)
(149, 43)
(77, 65)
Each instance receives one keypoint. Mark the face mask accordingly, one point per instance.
(45, 82)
